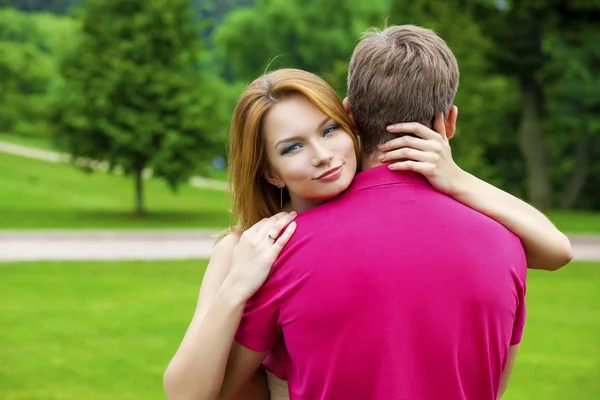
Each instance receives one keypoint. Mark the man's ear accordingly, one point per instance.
(349, 112)
(450, 122)
(273, 179)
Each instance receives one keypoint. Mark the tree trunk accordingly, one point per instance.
(139, 192)
(580, 172)
(533, 146)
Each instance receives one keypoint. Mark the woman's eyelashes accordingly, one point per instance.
(296, 146)
(290, 148)
(330, 129)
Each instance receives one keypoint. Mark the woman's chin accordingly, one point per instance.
(329, 194)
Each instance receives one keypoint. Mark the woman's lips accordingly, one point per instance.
(332, 174)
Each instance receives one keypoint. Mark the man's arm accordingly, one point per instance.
(512, 356)
(242, 367)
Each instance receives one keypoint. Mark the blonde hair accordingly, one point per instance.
(401, 74)
(254, 198)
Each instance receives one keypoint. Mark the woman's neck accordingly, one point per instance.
(301, 205)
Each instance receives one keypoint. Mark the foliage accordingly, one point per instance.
(31, 46)
(552, 51)
(528, 97)
(485, 142)
(133, 96)
(316, 36)
(54, 6)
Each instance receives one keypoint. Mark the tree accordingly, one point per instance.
(316, 36)
(572, 87)
(527, 52)
(54, 6)
(485, 100)
(31, 46)
(132, 94)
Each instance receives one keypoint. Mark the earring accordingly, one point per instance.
(281, 197)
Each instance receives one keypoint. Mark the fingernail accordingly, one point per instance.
(381, 157)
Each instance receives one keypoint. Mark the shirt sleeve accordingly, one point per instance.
(520, 314)
(259, 327)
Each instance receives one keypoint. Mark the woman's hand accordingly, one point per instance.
(428, 154)
(545, 246)
(256, 252)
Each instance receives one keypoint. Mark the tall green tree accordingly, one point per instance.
(31, 45)
(572, 89)
(133, 96)
(317, 36)
(53, 6)
(524, 34)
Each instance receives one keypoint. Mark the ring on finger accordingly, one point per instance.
(270, 236)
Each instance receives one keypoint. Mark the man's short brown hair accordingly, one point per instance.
(402, 74)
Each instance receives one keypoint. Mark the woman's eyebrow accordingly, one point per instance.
(289, 139)
(326, 120)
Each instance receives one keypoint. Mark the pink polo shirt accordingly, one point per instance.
(392, 291)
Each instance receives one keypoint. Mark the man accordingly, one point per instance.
(393, 290)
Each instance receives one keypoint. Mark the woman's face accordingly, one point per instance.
(308, 151)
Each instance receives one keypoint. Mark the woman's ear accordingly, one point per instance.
(273, 179)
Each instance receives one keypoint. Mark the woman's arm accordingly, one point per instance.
(198, 368)
(202, 356)
(545, 246)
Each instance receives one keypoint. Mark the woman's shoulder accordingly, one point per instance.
(226, 242)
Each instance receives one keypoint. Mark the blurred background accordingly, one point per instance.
(113, 135)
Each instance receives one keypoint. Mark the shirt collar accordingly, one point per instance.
(380, 176)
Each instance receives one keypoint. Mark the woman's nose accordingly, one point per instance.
(321, 156)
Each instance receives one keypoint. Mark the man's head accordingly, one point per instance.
(402, 74)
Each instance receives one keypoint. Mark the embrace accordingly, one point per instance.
(362, 262)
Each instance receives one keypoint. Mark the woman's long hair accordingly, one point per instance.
(254, 198)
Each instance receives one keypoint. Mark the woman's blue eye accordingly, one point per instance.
(330, 129)
(290, 148)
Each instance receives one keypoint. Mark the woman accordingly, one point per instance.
(292, 148)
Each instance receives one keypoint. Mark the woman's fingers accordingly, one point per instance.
(257, 226)
(415, 166)
(267, 227)
(415, 128)
(415, 143)
(283, 222)
(274, 225)
(284, 238)
(408, 153)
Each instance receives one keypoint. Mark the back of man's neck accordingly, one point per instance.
(370, 161)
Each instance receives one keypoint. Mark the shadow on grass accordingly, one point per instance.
(108, 219)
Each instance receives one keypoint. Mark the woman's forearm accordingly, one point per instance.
(197, 370)
(545, 246)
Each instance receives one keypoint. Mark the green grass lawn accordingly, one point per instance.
(206, 170)
(42, 195)
(580, 222)
(107, 330)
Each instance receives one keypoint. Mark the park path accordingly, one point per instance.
(55, 157)
(153, 245)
